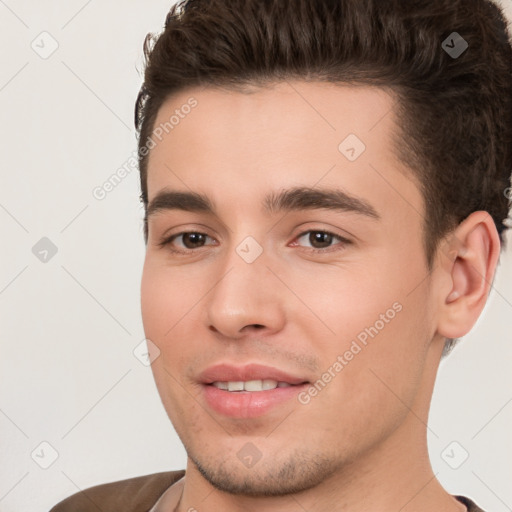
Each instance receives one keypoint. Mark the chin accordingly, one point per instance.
(276, 477)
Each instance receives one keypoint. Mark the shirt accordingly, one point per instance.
(139, 494)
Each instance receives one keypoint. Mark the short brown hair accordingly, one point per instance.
(454, 112)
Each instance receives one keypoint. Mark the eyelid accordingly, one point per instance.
(166, 240)
(343, 240)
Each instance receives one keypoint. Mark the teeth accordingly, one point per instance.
(257, 385)
(268, 384)
(251, 385)
(235, 386)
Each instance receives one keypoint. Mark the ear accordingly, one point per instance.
(468, 264)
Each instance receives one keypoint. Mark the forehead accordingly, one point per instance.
(288, 113)
(290, 133)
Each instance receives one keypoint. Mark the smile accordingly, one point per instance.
(251, 385)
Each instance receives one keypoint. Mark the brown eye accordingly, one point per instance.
(321, 240)
(193, 240)
(190, 240)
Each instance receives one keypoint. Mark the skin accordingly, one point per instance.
(366, 430)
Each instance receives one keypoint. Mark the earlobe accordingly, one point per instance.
(474, 250)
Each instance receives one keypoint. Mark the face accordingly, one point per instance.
(305, 258)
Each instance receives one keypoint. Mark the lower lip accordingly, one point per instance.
(248, 404)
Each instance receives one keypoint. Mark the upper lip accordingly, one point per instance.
(230, 373)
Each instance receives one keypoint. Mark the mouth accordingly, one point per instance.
(251, 385)
(248, 391)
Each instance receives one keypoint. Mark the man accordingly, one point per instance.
(325, 188)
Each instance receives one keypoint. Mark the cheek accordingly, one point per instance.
(167, 301)
(164, 300)
(374, 385)
(382, 326)
(341, 304)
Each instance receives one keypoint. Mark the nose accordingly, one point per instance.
(246, 299)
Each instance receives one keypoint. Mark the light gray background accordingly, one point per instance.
(69, 326)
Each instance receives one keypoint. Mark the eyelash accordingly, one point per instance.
(167, 241)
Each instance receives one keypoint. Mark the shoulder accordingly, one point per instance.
(471, 505)
(136, 494)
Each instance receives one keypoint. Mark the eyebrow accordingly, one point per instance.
(293, 199)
